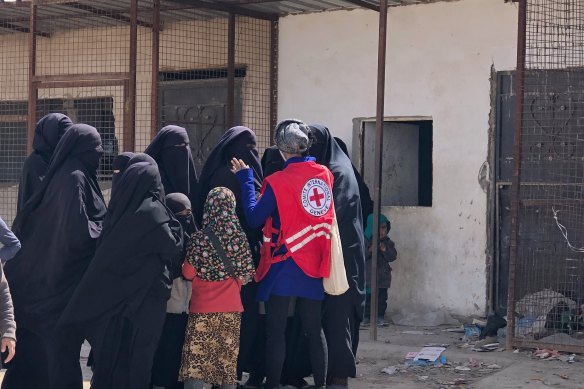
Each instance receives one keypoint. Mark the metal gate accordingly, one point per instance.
(546, 280)
(113, 64)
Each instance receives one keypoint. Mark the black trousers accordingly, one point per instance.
(339, 323)
(309, 312)
(28, 369)
(381, 303)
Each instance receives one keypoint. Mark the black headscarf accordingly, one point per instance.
(140, 237)
(47, 134)
(272, 161)
(238, 142)
(366, 201)
(171, 150)
(119, 166)
(347, 207)
(58, 227)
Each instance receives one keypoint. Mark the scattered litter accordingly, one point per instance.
(546, 354)
(445, 345)
(418, 333)
(564, 376)
(421, 362)
(486, 347)
(516, 351)
(462, 368)
(473, 363)
(567, 358)
(459, 381)
(480, 323)
(423, 377)
(471, 331)
(430, 354)
(411, 355)
(391, 370)
(494, 366)
(458, 330)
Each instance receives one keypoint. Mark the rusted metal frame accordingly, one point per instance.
(130, 103)
(155, 68)
(116, 15)
(231, 70)
(516, 180)
(229, 8)
(32, 90)
(14, 27)
(273, 77)
(365, 4)
(82, 77)
(381, 59)
(80, 83)
(127, 114)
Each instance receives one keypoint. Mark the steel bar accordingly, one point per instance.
(130, 103)
(273, 77)
(32, 90)
(155, 68)
(14, 27)
(381, 58)
(82, 77)
(116, 15)
(79, 83)
(516, 180)
(229, 8)
(231, 70)
(365, 4)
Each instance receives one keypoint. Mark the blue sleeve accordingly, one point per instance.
(9, 241)
(256, 211)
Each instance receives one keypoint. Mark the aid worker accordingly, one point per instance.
(296, 210)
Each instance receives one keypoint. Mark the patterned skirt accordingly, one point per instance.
(211, 348)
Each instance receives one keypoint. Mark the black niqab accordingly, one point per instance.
(119, 166)
(171, 151)
(272, 161)
(140, 237)
(347, 207)
(48, 132)
(366, 201)
(59, 228)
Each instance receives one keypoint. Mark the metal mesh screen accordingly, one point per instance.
(547, 288)
(90, 61)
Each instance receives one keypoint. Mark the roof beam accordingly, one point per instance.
(364, 4)
(15, 27)
(116, 15)
(224, 7)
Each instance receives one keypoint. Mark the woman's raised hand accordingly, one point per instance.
(238, 165)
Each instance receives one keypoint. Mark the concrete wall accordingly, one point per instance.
(439, 65)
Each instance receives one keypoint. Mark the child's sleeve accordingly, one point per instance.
(188, 271)
(9, 241)
(7, 323)
(390, 253)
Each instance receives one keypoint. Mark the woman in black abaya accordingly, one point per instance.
(47, 133)
(343, 314)
(58, 227)
(120, 304)
(171, 151)
(238, 142)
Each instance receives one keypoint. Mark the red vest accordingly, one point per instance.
(304, 197)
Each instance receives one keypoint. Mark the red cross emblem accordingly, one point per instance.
(316, 196)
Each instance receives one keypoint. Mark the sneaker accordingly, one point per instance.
(381, 322)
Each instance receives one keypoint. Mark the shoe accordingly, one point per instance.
(338, 383)
(381, 322)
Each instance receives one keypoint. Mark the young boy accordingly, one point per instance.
(386, 254)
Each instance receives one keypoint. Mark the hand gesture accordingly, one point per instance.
(238, 165)
(382, 247)
(10, 344)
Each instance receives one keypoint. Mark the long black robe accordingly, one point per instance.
(272, 161)
(342, 314)
(118, 302)
(58, 227)
(238, 142)
(47, 133)
(119, 167)
(175, 162)
(366, 201)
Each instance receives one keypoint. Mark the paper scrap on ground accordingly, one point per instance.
(429, 354)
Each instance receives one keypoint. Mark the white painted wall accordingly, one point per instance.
(439, 63)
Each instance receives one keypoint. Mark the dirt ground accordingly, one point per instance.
(464, 369)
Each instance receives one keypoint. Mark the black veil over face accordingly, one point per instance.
(119, 166)
(58, 227)
(48, 132)
(171, 151)
(347, 207)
